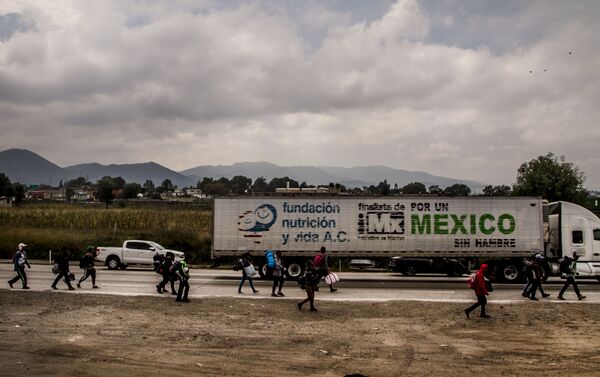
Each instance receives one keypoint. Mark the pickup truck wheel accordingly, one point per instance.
(294, 271)
(113, 262)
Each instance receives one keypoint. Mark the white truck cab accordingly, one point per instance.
(575, 229)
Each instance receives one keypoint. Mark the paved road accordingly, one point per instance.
(354, 286)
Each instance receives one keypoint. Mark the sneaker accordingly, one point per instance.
(26, 287)
(485, 316)
(544, 295)
(53, 287)
(95, 287)
(560, 297)
(9, 283)
(158, 289)
(534, 299)
(581, 298)
(280, 294)
(255, 291)
(240, 293)
(78, 285)
(273, 295)
(467, 313)
(524, 294)
(313, 310)
(71, 288)
(333, 290)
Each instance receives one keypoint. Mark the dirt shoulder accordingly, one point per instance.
(56, 334)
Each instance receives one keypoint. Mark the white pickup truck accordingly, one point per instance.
(133, 252)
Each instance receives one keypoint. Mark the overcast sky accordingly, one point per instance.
(465, 89)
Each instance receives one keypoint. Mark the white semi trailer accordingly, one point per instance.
(450, 232)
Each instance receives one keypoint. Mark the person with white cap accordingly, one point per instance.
(20, 261)
(537, 275)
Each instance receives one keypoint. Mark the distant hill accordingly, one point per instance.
(21, 165)
(321, 175)
(130, 173)
(26, 167)
(29, 168)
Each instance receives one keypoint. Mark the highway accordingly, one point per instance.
(353, 286)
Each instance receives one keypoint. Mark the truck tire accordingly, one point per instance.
(262, 270)
(510, 272)
(113, 262)
(409, 270)
(294, 271)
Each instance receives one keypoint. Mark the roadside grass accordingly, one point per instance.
(63, 227)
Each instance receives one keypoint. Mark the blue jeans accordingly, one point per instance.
(244, 277)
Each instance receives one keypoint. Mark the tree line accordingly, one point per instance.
(547, 176)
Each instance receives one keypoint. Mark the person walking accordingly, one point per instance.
(182, 271)
(569, 268)
(311, 280)
(537, 278)
(527, 273)
(19, 263)
(167, 275)
(321, 263)
(88, 265)
(246, 261)
(63, 271)
(278, 275)
(480, 289)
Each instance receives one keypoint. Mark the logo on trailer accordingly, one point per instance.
(254, 223)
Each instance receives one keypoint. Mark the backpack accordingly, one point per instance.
(238, 265)
(318, 261)
(565, 264)
(471, 280)
(270, 259)
(302, 282)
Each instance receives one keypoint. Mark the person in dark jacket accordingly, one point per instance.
(537, 278)
(570, 273)
(480, 289)
(88, 265)
(278, 275)
(245, 261)
(182, 271)
(63, 271)
(19, 263)
(311, 280)
(167, 275)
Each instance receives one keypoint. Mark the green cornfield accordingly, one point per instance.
(64, 227)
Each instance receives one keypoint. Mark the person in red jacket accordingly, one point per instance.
(481, 291)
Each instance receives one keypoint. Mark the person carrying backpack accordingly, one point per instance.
(537, 276)
(278, 275)
(182, 271)
(167, 275)
(568, 267)
(321, 264)
(88, 266)
(311, 280)
(63, 271)
(270, 257)
(19, 262)
(480, 289)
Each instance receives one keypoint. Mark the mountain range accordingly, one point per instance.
(27, 167)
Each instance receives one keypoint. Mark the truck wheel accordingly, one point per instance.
(262, 270)
(113, 262)
(294, 271)
(510, 273)
(409, 271)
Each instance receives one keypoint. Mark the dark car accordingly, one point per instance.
(411, 266)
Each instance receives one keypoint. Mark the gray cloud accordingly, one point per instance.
(443, 87)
